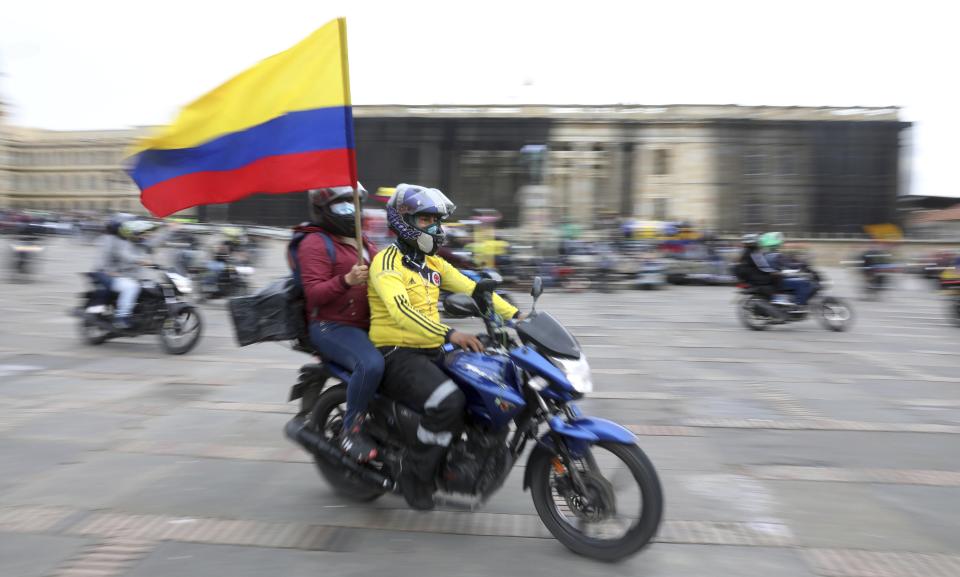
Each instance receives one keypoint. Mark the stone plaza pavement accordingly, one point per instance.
(792, 452)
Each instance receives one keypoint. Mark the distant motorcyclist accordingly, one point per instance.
(404, 287)
(769, 256)
(121, 264)
(875, 261)
(753, 267)
(26, 244)
(186, 259)
(222, 253)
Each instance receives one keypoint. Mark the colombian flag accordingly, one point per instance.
(283, 125)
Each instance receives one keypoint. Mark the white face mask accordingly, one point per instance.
(342, 208)
(425, 243)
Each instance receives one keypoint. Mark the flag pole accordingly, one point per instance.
(345, 68)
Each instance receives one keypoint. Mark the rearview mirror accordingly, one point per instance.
(460, 305)
(537, 289)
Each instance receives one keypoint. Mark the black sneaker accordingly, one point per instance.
(357, 445)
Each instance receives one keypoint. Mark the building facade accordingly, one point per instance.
(65, 170)
(727, 168)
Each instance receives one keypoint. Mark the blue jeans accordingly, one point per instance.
(800, 287)
(350, 348)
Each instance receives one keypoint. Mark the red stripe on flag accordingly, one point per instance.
(274, 174)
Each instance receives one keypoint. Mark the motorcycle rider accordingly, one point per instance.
(186, 258)
(771, 244)
(26, 241)
(875, 261)
(121, 264)
(753, 268)
(404, 286)
(225, 250)
(334, 286)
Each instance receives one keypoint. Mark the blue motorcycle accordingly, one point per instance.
(592, 486)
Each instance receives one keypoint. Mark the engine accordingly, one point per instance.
(478, 465)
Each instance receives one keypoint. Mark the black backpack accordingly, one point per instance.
(278, 311)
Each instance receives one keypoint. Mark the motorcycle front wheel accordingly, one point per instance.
(181, 332)
(834, 314)
(617, 511)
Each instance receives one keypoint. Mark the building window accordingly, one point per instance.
(753, 213)
(753, 163)
(660, 209)
(786, 211)
(661, 161)
(788, 162)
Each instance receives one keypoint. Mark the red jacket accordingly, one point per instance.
(329, 297)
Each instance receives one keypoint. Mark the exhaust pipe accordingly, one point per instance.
(297, 432)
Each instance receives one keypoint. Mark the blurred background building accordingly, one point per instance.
(725, 168)
(65, 170)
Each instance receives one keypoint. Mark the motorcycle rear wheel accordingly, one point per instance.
(556, 513)
(92, 331)
(751, 315)
(327, 420)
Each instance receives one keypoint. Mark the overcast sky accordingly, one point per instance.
(100, 64)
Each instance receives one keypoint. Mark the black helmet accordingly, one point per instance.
(332, 208)
(749, 240)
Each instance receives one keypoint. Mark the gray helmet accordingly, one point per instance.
(407, 202)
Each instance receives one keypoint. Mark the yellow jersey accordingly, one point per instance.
(403, 299)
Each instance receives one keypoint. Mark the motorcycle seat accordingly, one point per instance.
(324, 366)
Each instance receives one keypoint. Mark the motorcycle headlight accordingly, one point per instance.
(182, 283)
(578, 373)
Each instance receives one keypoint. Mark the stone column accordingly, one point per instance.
(582, 185)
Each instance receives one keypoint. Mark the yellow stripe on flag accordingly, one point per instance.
(312, 74)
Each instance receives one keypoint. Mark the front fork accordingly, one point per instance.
(561, 457)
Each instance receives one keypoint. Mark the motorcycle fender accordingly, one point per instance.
(579, 432)
(313, 377)
(592, 430)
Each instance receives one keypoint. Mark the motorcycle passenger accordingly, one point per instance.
(334, 286)
(405, 283)
(121, 260)
(770, 245)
